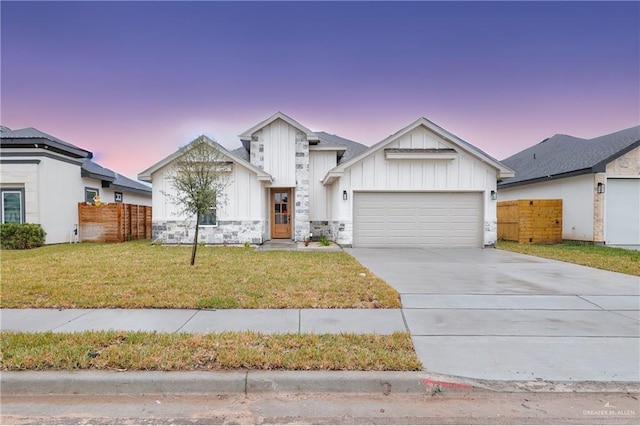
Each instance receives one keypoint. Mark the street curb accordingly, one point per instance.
(206, 382)
(261, 382)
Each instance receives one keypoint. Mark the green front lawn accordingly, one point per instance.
(138, 275)
(601, 257)
(111, 350)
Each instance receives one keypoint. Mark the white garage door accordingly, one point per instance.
(417, 219)
(622, 211)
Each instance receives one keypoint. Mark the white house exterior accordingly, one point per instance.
(42, 179)
(421, 186)
(598, 180)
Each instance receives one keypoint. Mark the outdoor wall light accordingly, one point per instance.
(344, 195)
(600, 188)
(494, 195)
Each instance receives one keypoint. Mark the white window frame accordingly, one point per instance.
(20, 192)
(87, 189)
(215, 222)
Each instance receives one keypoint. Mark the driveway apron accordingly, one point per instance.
(496, 315)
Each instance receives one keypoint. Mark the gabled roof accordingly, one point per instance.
(564, 156)
(30, 136)
(246, 135)
(262, 175)
(351, 148)
(337, 171)
(328, 141)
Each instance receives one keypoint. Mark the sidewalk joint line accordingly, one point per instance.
(589, 301)
(72, 320)
(187, 321)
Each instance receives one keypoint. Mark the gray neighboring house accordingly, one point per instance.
(43, 178)
(598, 180)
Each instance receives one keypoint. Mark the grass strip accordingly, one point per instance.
(602, 257)
(138, 275)
(129, 351)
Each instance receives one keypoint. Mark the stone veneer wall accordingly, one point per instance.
(227, 232)
(490, 234)
(627, 165)
(598, 209)
(321, 227)
(301, 227)
(342, 232)
(256, 153)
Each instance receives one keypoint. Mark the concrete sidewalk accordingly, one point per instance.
(319, 321)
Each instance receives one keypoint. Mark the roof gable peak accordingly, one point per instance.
(246, 135)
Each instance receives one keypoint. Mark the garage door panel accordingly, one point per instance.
(417, 219)
(622, 211)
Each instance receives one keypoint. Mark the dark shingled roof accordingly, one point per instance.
(123, 182)
(325, 139)
(564, 155)
(352, 148)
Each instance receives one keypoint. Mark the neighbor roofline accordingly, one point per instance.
(548, 178)
(45, 144)
(600, 167)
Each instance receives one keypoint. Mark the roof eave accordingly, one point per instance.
(130, 189)
(546, 178)
(331, 177)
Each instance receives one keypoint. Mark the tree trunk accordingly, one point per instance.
(195, 241)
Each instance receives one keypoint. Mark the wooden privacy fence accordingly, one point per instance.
(114, 222)
(530, 221)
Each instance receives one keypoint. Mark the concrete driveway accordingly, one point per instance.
(496, 315)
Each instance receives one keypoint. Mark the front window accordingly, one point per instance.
(208, 219)
(90, 194)
(12, 206)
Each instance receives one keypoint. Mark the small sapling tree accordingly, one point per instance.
(199, 177)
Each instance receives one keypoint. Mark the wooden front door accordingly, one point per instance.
(281, 213)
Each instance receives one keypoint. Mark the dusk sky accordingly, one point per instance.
(133, 81)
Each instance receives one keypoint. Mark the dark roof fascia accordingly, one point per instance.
(601, 167)
(421, 150)
(98, 176)
(129, 189)
(546, 178)
(3, 161)
(44, 143)
(42, 154)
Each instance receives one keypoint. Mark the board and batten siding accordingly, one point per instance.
(320, 162)
(278, 140)
(243, 201)
(375, 173)
(576, 194)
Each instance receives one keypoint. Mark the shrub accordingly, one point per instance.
(22, 236)
(324, 241)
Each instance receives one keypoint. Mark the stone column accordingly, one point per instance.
(301, 225)
(598, 209)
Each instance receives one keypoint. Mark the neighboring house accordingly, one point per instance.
(598, 180)
(43, 178)
(422, 186)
